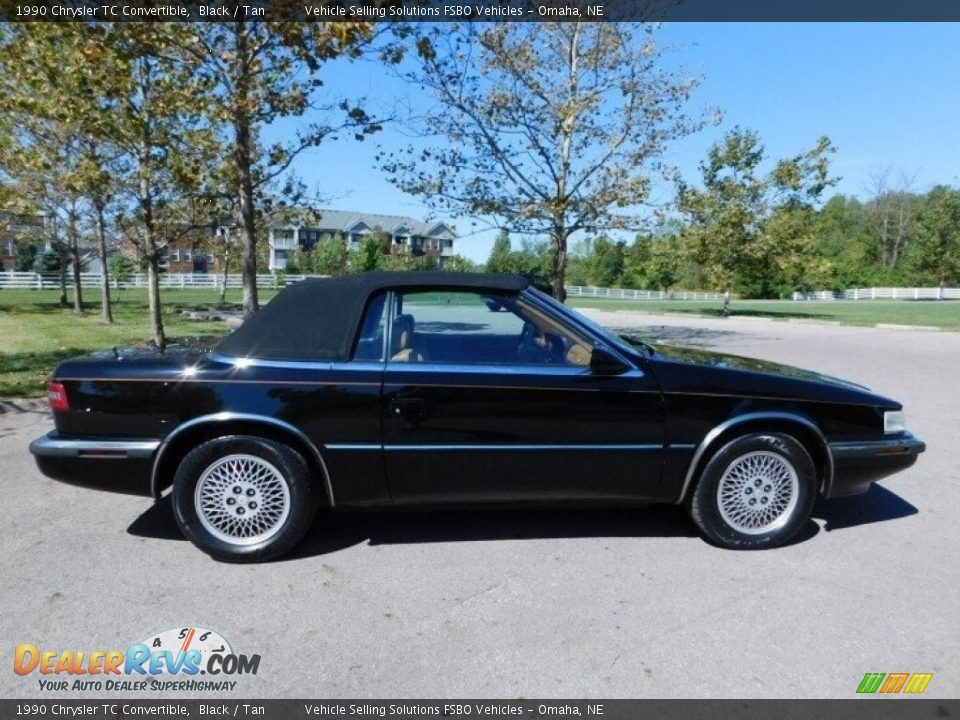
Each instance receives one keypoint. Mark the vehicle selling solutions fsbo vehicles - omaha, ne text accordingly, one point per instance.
(402, 389)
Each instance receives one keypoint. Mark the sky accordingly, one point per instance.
(886, 94)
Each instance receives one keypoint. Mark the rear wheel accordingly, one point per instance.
(244, 498)
(755, 492)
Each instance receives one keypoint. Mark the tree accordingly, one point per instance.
(743, 220)
(257, 73)
(499, 260)
(369, 256)
(329, 255)
(25, 256)
(61, 162)
(936, 252)
(607, 262)
(891, 213)
(120, 269)
(552, 128)
(110, 110)
(458, 263)
(156, 121)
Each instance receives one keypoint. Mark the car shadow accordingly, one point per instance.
(876, 505)
(334, 531)
(337, 531)
(157, 522)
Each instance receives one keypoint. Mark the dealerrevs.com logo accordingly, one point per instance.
(173, 660)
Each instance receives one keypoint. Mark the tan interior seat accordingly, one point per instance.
(402, 349)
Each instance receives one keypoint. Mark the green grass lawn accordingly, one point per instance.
(36, 333)
(944, 314)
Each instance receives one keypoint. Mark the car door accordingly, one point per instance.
(486, 397)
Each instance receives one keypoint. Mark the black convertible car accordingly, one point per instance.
(399, 389)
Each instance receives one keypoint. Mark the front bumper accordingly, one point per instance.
(858, 464)
(116, 465)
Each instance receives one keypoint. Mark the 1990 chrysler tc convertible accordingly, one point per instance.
(390, 389)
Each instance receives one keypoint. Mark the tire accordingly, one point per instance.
(755, 492)
(244, 499)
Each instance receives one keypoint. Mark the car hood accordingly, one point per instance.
(707, 358)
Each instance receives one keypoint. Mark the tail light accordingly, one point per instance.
(57, 396)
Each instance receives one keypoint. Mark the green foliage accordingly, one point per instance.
(935, 255)
(499, 260)
(749, 228)
(329, 255)
(458, 263)
(369, 256)
(121, 268)
(533, 258)
(24, 257)
(50, 262)
(607, 262)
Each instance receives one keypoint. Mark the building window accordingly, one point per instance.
(283, 234)
(188, 254)
(174, 254)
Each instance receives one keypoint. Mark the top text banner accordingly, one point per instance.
(479, 10)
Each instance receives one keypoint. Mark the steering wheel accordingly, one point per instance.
(528, 349)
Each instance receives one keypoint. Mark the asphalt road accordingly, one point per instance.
(595, 604)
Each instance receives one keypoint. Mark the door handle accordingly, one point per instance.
(412, 410)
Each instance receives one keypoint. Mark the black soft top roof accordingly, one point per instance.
(317, 319)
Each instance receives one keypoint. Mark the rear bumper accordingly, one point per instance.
(115, 465)
(857, 465)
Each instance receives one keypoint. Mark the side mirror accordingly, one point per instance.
(604, 362)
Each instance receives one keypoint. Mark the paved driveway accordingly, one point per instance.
(533, 604)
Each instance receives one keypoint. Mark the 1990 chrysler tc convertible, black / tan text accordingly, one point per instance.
(390, 389)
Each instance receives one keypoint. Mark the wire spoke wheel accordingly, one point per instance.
(242, 499)
(758, 492)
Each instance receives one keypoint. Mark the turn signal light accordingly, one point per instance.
(57, 396)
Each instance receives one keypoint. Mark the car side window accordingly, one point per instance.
(370, 340)
(479, 328)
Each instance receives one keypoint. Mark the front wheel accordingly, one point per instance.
(756, 492)
(244, 498)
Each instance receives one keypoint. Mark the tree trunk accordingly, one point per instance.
(559, 265)
(150, 251)
(153, 300)
(75, 258)
(226, 270)
(106, 310)
(63, 281)
(242, 154)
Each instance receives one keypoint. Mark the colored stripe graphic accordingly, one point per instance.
(894, 682)
(918, 682)
(870, 682)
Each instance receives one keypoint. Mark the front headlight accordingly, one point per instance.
(894, 421)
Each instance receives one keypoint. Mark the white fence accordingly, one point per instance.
(927, 293)
(182, 281)
(211, 281)
(627, 294)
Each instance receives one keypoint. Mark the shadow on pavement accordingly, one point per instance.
(157, 522)
(876, 505)
(336, 531)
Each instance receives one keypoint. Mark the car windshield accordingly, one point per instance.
(583, 321)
